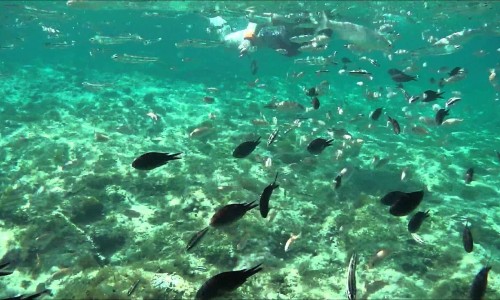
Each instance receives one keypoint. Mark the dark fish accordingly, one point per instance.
(153, 160)
(245, 148)
(4, 272)
(253, 67)
(478, 288)
(317, 146)
(133, 287)
(265, 196)
(407, 204)
(351, 278)
(376, 114)
(441, 113)
(345, 60)
(430, 95)
(392, 198)
(454, 71)
(196, 238)
(400, 76)
(312, 92)
(231, 213)
(468, 175)
(467, 239)
(225, 282)
(338, 181)
(417, 220)
(272, 137)
(395, 125)
(315, 102)
(498, 155)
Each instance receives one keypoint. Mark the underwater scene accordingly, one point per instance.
(249, 150)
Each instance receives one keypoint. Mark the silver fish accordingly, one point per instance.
(272, 136)
(452, 101)
(299, 39)
(351, 279)
(363, 37)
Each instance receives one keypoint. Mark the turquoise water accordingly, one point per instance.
(77, 219)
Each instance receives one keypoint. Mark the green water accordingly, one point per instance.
(76, 218)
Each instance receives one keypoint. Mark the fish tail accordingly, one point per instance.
(275, 178)
(257, 140)
(252, 271)
(251, 205)
(174, 156)
(329, 142)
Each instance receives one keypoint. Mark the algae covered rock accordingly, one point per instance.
(86, 210)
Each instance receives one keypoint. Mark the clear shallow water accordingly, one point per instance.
(77, 218)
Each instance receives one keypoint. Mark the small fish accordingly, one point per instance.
(266, 196)
(441, 113)
(452, 101)
(478, 288)
(312, 92)
(411, 99)
(417, 220)
(225, 282)
(402, 203)
(231, 213)
(208, 99)
(430, 95)
(286, 106)
(193, 241)
(299, 39)
(400, 76)
(244, 149)
(338, 181)
(469, 175)
(377, 257)
(317, 146)
(374, 115)
(272, 137)
(467, 239)
(289, 242)
(133, 287)
(152, 160)
(351, 278)
(395, 125)
(315, 102)
(454, 71)
(253, 67)
(361, 73)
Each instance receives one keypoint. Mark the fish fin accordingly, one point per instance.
(3, 265)
(323, 23)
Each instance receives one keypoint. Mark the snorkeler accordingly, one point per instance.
(286, 38)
